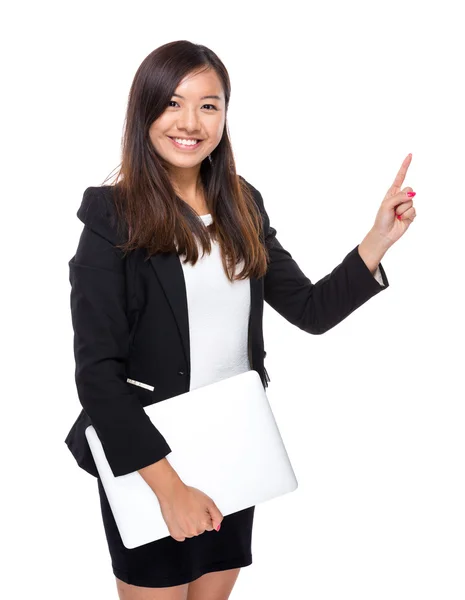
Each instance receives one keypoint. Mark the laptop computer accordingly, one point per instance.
(224, 441)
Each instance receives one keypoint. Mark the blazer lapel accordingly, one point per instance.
(168, 269)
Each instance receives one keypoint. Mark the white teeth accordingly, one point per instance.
(186, 142)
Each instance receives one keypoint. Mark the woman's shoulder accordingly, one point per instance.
(255, 193)
(98, 212)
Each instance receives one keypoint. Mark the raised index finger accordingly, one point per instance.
(399, 180)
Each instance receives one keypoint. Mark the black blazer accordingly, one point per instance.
(130, 320)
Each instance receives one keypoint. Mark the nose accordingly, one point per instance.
(189, 121)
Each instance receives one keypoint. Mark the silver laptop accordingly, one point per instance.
(224, 441)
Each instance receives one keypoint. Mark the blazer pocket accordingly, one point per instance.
(140, 384)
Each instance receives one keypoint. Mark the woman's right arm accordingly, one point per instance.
(101, 345)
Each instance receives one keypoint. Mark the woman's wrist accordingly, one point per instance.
(372, 249)
(161, 477)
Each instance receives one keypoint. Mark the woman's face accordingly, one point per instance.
(196, 112)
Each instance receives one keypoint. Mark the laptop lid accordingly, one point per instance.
(224, 441)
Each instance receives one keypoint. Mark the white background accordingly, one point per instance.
(327, 100)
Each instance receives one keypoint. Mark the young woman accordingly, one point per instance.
(173, 265)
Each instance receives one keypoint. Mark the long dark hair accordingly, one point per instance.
(156, 218)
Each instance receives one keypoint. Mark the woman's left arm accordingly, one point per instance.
(317, 307)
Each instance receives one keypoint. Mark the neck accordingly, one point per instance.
(188, 186)
(186, 182)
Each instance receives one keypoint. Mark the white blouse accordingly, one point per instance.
(218, 318)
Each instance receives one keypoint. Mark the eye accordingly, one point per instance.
(174, 102)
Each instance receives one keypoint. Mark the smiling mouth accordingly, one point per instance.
(187, 146)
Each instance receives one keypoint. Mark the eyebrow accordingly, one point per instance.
(201, 98)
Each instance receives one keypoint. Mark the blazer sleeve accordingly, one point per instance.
(315, 307)
(101, 344)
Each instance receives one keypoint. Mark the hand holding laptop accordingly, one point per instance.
(186, 510)
(189, 512)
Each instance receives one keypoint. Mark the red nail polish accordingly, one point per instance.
(411, 194)
(218, 528)
(399, 217)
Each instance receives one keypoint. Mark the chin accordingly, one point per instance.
(186, 164)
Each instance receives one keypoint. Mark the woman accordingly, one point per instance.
(168, 282)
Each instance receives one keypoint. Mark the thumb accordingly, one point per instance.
(399, 198)
(216, 516)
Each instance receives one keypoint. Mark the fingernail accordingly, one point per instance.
(411, 194)
(399, 217)
(218, 528)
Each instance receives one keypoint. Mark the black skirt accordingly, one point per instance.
(166, 562)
